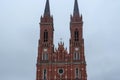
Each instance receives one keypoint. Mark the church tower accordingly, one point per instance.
(77, 43)
(57, 63)
(45, 46)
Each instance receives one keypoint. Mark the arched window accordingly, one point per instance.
(44, 74)
(76, 56)
(45, 56)
(45, 36)
(77, 74)
(76, 35)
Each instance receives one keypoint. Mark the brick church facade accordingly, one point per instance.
(58, 64)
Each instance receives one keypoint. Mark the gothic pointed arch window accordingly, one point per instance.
(45, 56)
(44, 74)
(77, 74)
(76, 35)
(45, 36)
(76, 56)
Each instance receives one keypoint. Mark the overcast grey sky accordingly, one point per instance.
(19, 34)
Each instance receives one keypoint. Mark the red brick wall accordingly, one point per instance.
(60, 58)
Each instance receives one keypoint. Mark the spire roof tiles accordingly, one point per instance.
(47, 9)
(76, 8)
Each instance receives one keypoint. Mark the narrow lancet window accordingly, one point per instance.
(77, 73)
(44, 74)
(76, 56)
(76, 35)
(45, 56)
(45, 36)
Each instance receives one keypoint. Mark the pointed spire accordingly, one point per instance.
(47, 9)
(76, 8)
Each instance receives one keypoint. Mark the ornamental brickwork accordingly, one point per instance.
(58, 64)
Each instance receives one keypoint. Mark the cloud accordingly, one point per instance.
(19, 34)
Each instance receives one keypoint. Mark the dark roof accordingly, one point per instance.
(76, 8)
(47, 9)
